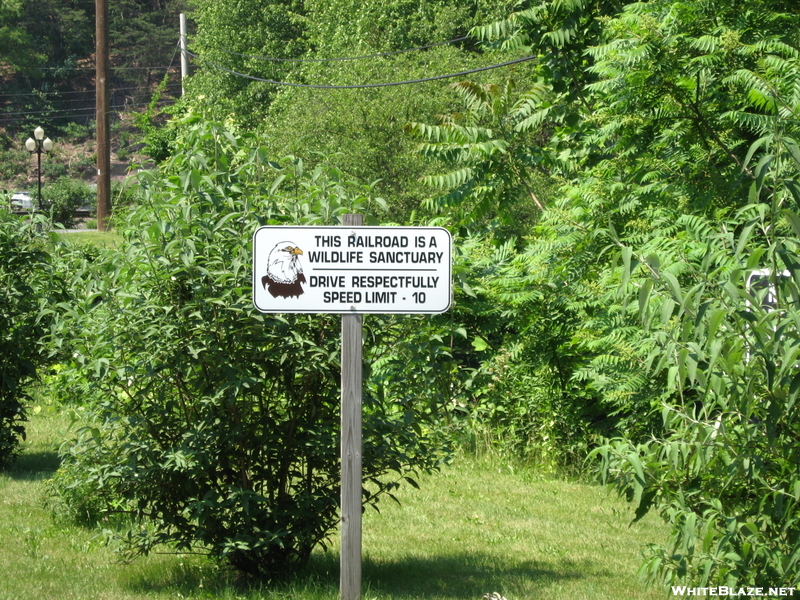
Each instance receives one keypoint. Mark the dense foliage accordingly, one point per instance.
(678, 150)
(305, 43)
(723, 468)
(716, 326)
(47, 48)
(610, 201)
(63, 197)
(28, 286)
(215, 427)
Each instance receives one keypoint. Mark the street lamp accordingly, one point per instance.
(39, 145)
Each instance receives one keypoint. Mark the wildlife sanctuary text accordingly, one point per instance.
(399, 270)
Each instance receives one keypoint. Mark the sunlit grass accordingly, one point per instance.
(479, 526)
(99, 238)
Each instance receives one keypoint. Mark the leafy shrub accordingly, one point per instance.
(63, 197)
(52, 169)
(14, 160)
(125, 193)
(218, 431)
(723, 470)
(521, 399)
(159, 142)
(159, 135)
(78, 131)
(26, 285)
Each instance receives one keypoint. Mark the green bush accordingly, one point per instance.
(14, 160)
(63, 197)
(79, 132)
(722, 471)
(219, 427)
(26, 285)
(125, 197)
(52, 170)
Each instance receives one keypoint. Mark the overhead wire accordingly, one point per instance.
(112, 68)
(52, 110)
(77, 100)
(54, 93)
(87, 112)
(280, 83)
(363, 85)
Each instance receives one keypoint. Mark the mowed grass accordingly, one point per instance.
(479, 526)
(90, 236)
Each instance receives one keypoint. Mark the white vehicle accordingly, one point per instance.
(760, 283)
(21, 201)
(761, 279)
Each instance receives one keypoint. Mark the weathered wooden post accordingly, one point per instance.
(350, 561)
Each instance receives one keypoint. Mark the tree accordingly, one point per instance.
(144, 37)
(29, 285)
(216, 426)
(490, 145)
(636, 276)
(45, 42)
(362, 127)
(722, 470)
(47, 47)
(14, 40)
(275, 29)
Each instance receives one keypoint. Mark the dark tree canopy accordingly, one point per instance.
(47, 56)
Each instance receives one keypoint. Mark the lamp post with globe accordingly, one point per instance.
(38, 145)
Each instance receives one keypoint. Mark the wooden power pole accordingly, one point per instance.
(102, 106)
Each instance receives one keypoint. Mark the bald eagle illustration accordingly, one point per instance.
(284, 273)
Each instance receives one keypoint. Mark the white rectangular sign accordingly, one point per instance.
(399, 270)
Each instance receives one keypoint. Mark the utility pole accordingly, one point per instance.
(102, 106)
(184, 56)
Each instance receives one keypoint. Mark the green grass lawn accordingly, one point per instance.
(99, 238)
(476, 527)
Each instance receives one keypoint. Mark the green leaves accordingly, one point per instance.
(217, 427)
(729, 360)
(30, 290)
(486, 149)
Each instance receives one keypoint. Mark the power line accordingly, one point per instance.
(87, 91)
(112, 68)
(61, 103)
(55, 111)
(393, 53)
(89, 111)
(363, 85)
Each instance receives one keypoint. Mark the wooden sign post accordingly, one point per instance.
(350, 558)
(352, 272)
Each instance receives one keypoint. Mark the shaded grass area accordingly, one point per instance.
(479, 526)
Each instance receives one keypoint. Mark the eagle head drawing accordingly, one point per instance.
(284, 273)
